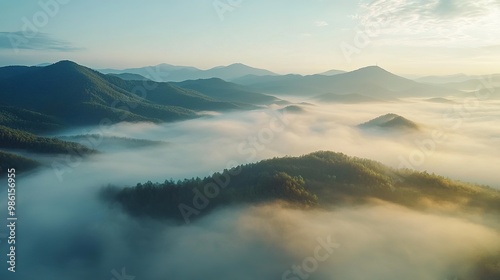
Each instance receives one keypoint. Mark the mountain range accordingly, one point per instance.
(172, 73)
(456, 78)
(65, 93)
(486, 82)
(71, 94)
(370, 82)
(43, 99)
(78, 95)
(487, 85)
(231, 92)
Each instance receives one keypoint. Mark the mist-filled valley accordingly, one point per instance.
(245, 140)
(67, 230)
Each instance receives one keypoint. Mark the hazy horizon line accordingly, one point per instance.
(281, 73)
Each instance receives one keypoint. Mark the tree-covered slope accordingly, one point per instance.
(75, 94)
(21, 140)
(222, 90)
(26, 120)
(130, 77)
(321, 179)
(169, 94)
(11, 71)
(21, 164)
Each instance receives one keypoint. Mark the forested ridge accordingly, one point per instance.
(315, 181)
(17, 139)
(320, 179)
(17, 162)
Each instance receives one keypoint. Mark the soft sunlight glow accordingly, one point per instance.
(301, 37)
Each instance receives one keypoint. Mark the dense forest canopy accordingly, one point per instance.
(321, 179)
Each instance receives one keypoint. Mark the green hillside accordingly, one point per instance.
(76, 95)
(114, 142)
(169, 94)
(27, 120)
(321, 179)
(17, 139)
(21, 164)
(222, 90)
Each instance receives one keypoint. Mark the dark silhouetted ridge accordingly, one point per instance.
(75, 94)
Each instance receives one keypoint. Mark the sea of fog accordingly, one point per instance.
(65, 232)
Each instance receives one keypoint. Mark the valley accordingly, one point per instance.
(121, 159)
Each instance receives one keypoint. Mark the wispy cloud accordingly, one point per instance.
(38, 41)
(433, 22)
(321, 23)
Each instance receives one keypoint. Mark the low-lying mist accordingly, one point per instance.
(78, 238)
(66, 232)
(450, 136)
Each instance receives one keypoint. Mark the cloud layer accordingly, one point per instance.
(66, 232)
(33, 41)
(449, 23)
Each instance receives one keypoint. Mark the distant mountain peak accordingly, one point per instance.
(332, 72)
(77, 95)
(233, 65)
(373, 69)
(65, 63)
(172, 73)
(378, 75)
(237, 65)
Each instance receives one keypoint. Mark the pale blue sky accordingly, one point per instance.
(301, 36)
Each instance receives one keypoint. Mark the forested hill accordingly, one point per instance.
(77, 95)
(20, 140)
(321, 179)
(20, 164)
(26, 120)
(71, 94)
